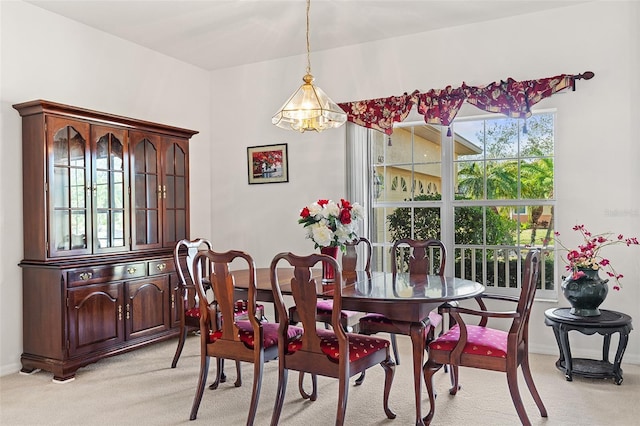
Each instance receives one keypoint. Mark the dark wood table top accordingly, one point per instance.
(375, 292)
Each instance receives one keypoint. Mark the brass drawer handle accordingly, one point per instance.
(162, 267)
(86, 276)
(131, 270)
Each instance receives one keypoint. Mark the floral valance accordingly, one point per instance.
(381, 113)
(440, 106)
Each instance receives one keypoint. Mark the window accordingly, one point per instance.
(490, 202)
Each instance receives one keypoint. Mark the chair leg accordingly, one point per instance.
(455, 385)
(238, 382)
(526, 371)
(343, 394)
(220, 378)
(282, 388)
(394, 345)
(389, 371)
(204, 370)
(360, 379)
(183, 337)
(314, 387)
(512, 380)
(255, 395)
(428, 370)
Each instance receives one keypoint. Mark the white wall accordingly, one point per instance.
(45, 56)
(597, 129)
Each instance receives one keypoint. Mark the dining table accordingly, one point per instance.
(399, 298)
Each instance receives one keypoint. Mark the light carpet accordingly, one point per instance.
(140, 388)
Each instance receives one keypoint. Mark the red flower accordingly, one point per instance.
(323, 203)
(305, 213)
(345, 216)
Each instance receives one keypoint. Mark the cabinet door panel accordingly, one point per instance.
(147, 307)
(68, 185)
(95, 318)
(147, 190)
(110, 184)
(175, 190)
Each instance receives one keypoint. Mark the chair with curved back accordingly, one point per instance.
(417, 264)
(479, 346)
(188, 308)
(349, 319)
(226, 335)
(326, 352)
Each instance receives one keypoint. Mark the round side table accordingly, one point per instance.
(605, 324)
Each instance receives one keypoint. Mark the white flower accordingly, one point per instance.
(357, 212)
(321, 235)
(330, 210)
(315, 210)
(343, 233)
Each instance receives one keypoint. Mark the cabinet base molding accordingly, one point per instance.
(64, 371)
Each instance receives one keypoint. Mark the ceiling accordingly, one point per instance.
(214, 34)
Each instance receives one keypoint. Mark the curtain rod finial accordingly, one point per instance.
(587, 75)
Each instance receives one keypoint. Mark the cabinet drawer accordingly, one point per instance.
(124, 271)
(163, 266)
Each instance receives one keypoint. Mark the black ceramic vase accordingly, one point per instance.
(586, 293)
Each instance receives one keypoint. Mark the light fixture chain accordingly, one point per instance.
(308, 44)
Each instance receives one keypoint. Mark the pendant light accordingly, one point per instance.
(309, 108)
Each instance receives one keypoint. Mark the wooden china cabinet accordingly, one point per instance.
(105, 200)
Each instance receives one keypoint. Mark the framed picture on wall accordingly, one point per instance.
(268, 163)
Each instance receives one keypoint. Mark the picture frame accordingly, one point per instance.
(268, 164)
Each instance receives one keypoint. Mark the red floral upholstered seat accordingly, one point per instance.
(325, 307)
(359, 346)
(480, 341)
(269, 336)
(392, 326)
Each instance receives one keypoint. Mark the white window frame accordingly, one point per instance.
(447, 203)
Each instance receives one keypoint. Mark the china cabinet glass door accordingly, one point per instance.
(175, 195)
(147, 190)
(69, 187)
(110, 183)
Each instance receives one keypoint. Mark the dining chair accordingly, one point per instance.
(326, 352)
(479, 346)
(226, 335)
(188, 308)
(416, 261)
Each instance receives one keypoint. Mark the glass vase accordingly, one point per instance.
(328, 272)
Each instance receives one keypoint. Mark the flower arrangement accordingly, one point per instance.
(331, 224)
(588, 256)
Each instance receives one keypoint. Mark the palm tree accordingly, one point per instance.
(537, 183)
(501, 180)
